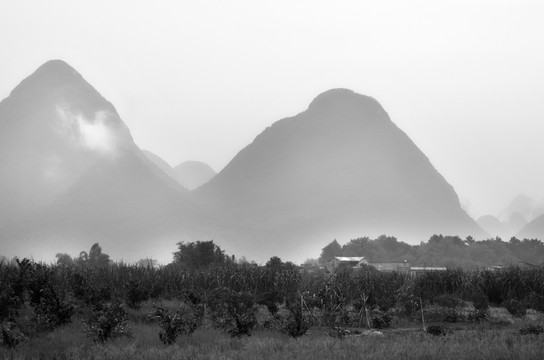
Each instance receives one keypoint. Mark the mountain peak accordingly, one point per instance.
(51, 75)
(193, 174)
(57, 67)
(341, 98)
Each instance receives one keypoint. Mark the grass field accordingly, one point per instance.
(495, 339)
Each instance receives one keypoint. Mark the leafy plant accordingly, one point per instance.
(234, 312)
(271, 299)
(183, 321)
(515, 307)
(9, 302)
(480, 301)
(477, 316)
(437, 330)
(448, 301)
(535, 301)
(52, 310)
(531, 330)
(11, 334)
(107, 322)
(381, 320)
(136, 293)
(338, 332)
(295, 324)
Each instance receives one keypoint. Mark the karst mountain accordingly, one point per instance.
(341, 169)
(71, 175)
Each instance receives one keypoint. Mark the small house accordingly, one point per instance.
(346, 261)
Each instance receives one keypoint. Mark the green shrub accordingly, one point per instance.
(271, 299)
(437, 330)
(477, 316)
(515, 307)
(531, 330)
(535, 302)
(183, 321)
(448, 301)
(135, 293)
(52, 310)
(9, 303)
(107, 322)
(11, 334)
(296, 324)
(234, 312)
(480, 301)
(452, 316)
(380, 320)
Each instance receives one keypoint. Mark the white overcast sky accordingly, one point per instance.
(198, 80)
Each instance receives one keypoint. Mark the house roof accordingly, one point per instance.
(428, 268)
(349, 258)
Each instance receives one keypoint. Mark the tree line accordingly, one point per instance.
(447, 251)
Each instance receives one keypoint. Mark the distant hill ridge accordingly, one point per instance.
(193, 174)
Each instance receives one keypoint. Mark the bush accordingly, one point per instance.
(271, 299)
(452, 316)
(11, 335)
(437, 330)
(381, 320)
(135, 293)
(480, 302)
(234, 312)
(338, 332)
(477, 316)
(9, 303)
(531, 330)
(107, 322)
(183, 322)
(535, 302)
(515, 307)
(86, 287)
(448, 301)
(52, 311)
(295, 324)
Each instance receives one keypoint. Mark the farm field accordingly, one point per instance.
(278, 311)
(492, 341)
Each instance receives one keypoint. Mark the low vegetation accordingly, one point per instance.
(219, 308)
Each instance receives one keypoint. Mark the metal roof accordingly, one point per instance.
(349, 258)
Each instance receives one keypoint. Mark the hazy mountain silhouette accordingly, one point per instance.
(493, 226)
(71, 174)
(341, 169)
(526, 206)
(503, 229)
(163, 165)
(190, 174)
(533, 230)
(193, 174)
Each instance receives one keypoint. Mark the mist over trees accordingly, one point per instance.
(448, 251)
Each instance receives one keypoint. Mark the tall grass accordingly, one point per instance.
(210, 344)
